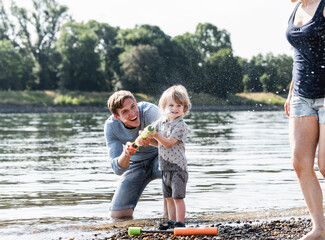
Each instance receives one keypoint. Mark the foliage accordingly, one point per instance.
(267, 73)
(209, 39)
(11, 67)
(223, 74)
(199, 47)
(80, 68)
(140, 67)
(45, 49)
(45, 19)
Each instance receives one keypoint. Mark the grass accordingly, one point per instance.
(100, 98)
(266, 98)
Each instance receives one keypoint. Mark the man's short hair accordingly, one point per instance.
(116, 100)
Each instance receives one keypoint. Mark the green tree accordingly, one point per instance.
(254, 68)
(224, 74)
(15, 70)
(81, 64)
(199, 47)
(4, 23)
(279, 69)
(45, 20)
(193, 62)
(246, 82)
(266, 82)
(140, 66)
(209, 39)
(172, 64)
(109, 52)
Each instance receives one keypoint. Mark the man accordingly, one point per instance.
(137, 167)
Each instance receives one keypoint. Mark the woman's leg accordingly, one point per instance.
(304, 135)
(321, 149)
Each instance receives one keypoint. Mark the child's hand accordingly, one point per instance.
(152, 135)
(144, 139)
(141, 141)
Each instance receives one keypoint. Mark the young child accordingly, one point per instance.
(170, 136)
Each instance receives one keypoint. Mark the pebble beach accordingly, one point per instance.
(292, 228)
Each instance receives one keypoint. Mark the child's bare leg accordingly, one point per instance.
(171, 209)
(180, 210)
(165, 209)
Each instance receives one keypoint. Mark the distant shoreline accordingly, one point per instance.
(12, 108)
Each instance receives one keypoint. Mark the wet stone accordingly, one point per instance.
(253, 230)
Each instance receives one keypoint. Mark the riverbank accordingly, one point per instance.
(235, 229)
(280, 225)
(16, 108)
(277, 224)
(57, 101)
(279, 229)
(293, 228)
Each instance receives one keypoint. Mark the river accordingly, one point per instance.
(55, 173)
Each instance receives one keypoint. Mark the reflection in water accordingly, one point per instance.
(54, 169)
(208, 128)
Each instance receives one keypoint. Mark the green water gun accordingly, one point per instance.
(149, 129)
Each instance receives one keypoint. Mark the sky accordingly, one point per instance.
(255, 26)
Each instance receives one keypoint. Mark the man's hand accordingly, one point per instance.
(129, 150)
(124, 160)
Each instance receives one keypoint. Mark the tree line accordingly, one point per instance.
(44, 48)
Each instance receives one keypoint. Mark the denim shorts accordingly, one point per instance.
(300, 106)
(132, 184)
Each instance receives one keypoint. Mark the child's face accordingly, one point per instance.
(173, 109)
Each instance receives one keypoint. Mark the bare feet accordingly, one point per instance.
(314, 235)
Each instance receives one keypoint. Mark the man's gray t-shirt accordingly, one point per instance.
(117, 135)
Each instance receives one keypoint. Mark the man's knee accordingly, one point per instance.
(127, 213)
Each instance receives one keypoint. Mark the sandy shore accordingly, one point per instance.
(10, 108)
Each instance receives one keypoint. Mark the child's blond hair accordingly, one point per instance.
(179, 94)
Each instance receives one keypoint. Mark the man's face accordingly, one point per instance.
(129, 113)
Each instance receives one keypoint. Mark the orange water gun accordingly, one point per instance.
(135, 231)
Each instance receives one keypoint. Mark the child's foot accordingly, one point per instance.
(179, 224)
(170, 224)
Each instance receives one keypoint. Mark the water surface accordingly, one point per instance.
(54, 170)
